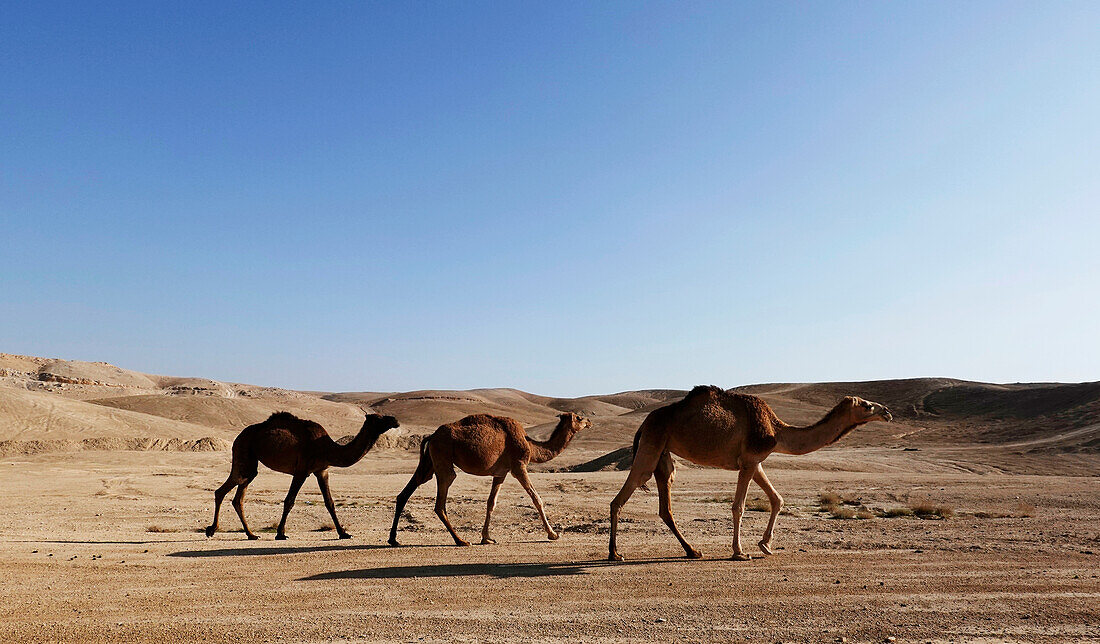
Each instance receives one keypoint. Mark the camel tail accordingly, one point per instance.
(634, 453)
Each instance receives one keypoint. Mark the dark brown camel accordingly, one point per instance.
(298, 447)
(713, 427)
(484, 445)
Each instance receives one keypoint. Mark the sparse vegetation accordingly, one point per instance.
(929, 510)
(758, 504)
(159, 529)
(893, 513)
(864, 513)
(839, 512)
(1023, 510)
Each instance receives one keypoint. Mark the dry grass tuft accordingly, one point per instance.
(864, 513)
(160, 529)
(839, 512)
(928, 510)
(894, 513)
(1023, 510)
(758, 504)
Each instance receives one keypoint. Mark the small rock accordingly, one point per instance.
(661, 620)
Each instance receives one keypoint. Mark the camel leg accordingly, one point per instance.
(645, 461)
(288, 503)
(443, 482)
(238, 505)
(497, 480)
(422, 475)
(744, 477)
(664, 474)
(776, 503)
(322, 482)
(520, 472)
(219, 495)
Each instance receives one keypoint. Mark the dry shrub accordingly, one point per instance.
(894, 513)
(864, 513)
(929, 510)
(1023, 510)
(758, 504)
(829, 498)
(843, 513)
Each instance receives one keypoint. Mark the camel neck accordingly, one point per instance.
(543, 451)
(350, 454)
(803, 440)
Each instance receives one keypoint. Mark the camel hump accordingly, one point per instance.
(288, 421)
(283, 417)
(485, 420)
(760, 432)
(705, 390)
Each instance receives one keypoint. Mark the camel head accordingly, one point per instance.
(380, 423)
(574, 422)
(865, 411)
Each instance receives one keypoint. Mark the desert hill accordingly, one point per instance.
(53, 404)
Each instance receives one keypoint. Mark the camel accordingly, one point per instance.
(484, 445)
(713, 427)
(298, 447)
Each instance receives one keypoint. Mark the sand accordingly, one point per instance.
(100, 543)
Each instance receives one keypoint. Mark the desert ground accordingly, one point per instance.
(109, 477)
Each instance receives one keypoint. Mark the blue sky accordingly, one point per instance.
(567, 198)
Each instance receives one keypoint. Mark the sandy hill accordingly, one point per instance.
(53, 404)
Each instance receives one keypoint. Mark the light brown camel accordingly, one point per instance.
(298, 447)
(484, 445)
(735, 432)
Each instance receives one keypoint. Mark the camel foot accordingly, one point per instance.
(740, 556)
(553, 536)
(252, 537)
(485, 541)
(694, 554)
(393, 542)
(461, 542)
(344, 535)
(280, 537)
(614, 556)
(764, 547)
(210, 530)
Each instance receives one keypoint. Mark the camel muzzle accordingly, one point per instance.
(886, 415)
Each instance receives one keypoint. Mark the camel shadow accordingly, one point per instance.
(105, 543)
(497, 571)
(277, 550)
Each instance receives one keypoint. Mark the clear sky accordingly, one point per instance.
(567, 198)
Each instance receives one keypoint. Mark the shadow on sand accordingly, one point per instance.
(499, 571)
(251, 551)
